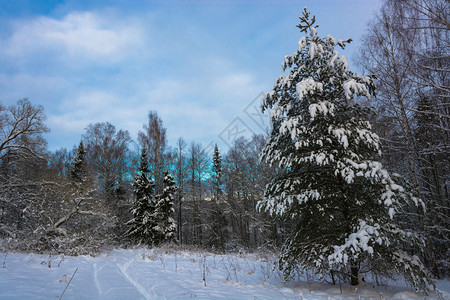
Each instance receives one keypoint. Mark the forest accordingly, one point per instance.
(110, 191)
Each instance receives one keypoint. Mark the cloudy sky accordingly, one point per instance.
(202, 65)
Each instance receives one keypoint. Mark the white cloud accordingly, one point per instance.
(99, 71)
(78, 35)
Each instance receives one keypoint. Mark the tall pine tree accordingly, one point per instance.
(329, 182)
(218, 221)
(165, 225)
(143, 222)
(78, 170)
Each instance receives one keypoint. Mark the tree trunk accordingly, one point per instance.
(354, 274)
(432, 256)
(180, 224)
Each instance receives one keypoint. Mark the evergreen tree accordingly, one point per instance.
(217, 171)
(329, 181)
(218, 221)
(143, 222)
(164, 230)
(78, 170)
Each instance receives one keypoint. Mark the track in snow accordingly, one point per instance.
(124, 270)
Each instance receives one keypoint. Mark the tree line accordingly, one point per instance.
(83, 199)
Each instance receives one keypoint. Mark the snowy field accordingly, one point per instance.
(157, 274)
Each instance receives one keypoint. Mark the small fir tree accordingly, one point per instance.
(164, 230)
(78, 170)
(218, 220)
(329, 181)
(143, 222)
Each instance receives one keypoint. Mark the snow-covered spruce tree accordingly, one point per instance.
(78, 170)
(217, 218)
(329, 181)
(165, 225)
(141, 226)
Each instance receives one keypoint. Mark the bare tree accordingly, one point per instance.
(154, 139)
(107, 155)
(21, 142)
(406, 47)
(385, 53)
(197, 167)
(21, 129)
(430, 72)
(245, 178)
(180, 178)
(60, 162)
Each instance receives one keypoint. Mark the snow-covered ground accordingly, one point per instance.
(157, 274)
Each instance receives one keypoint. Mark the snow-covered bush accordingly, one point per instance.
(54, 215)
